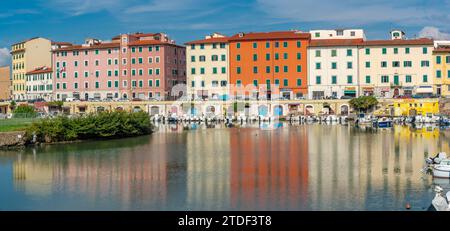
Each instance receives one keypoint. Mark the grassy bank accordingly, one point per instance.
(104, 125)
(15, 124)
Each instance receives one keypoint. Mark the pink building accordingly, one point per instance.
(144, 66)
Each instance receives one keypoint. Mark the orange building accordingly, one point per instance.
(260, 60)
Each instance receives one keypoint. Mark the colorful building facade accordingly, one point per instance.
(27, 56)
(399, 66)
(208, 68)
(441, 69)
(262, 60)
(131, 66)
(333, 63)
(5, 83)
(40, 84)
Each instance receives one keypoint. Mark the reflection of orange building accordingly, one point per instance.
(276, 58)
(269, 169)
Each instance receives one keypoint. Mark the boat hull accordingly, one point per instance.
(441, 172)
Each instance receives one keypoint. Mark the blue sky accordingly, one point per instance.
(185, 20)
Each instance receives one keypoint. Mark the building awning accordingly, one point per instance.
(350, 92)
(424, 90)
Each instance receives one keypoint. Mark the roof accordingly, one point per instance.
(40, 70)
(396, 42)
(138, 35)
(62, 43)
(151, 42)
(209, 41)
(275, 35)
(335, 42)
(97, 46)
(444, 49)
(26, 40)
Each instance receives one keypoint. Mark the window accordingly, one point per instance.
(277, 56)
(75, 85)
(285, 69)
(396, 80)
(285, 44)
(349, 79)
(367, 51)
(383, 64)
(277, 82)
(277, 69)
(223, 58)
(285, 82)
(150, 71)
(267, 69)
(75, 74)
(367, 64)
(349, 52)
(318, 66)
(141, 84)
(385, 79)
(299, 68)
(318, 53)
(255, 70)
(384, 51)
(425, 50)
(438, 59)
(395, 50)
(407, 50)
(255, 57)
(97, 85)
(192, 47)
(299, 44)
(238, 45)
(333, 65)
(238, 57)
(317, 35)
(157, 83)
(192, 59)
(202, 58)
(299, 82)
(425, 63)
(214, 70)
(425, 78)
(367, 79)
(193, 71)
(333, 53)
(407, 63)
(438, 74)
(267, 44)
(277, 44)
(408, 79)
(349, 65)
(318, 80)
(285, 56)
(202, 46)
(202, 70)
(447, 59)
(395, 64)
(140, 60)
(333, 79)
(255, 45)
(299, 56)
(238, 82)
(267, 57)
(109, 84)
(214, 58)
(255, 82)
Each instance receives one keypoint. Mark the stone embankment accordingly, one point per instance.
(12, 139)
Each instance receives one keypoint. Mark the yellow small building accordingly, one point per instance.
(441, 66)
(413, 107)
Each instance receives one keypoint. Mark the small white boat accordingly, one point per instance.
(442, 170)
(440, 203)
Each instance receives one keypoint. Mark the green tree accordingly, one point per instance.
(363, 103)
(24, 111)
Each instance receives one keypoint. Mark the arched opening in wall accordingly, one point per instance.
(263, 110)
(309, 110)
(154, 110)
(396, 92)
(137, 109)
(86, 96)
(247, 109)
(278, 110)
(125, 96)
(344, 110)
(100, 109)
(327, 110)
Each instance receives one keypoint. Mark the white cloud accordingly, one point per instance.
(434, 32)
(356, 12)
(5, 57)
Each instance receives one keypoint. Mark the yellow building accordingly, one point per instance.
(413, 107)
(27, 56)
(441, 65)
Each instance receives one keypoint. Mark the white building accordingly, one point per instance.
(39, 84)
(333, 63)
(395, 67)
(208, 68)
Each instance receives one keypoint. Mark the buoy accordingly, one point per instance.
(408, 206)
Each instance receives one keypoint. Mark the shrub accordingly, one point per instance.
(363, 103)
(24, 111)
(102, 125)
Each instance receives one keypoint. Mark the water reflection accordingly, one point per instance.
(211, 167)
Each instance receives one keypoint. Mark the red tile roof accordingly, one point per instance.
(275, 35)
(151, 42)
(209, 41)
(97, 46)
(335, 42)
(40, 70)
(444, 49)
(421, 41)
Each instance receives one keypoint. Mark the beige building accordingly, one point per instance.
(27, 56)
(208, 68)
(399, 66)
(5, 83)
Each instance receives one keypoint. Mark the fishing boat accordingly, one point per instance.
(383, 123)
(442, 170)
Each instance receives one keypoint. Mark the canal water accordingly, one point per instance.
(253, 167)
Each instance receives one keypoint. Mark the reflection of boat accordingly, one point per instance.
(383, 123)
(440, 203)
